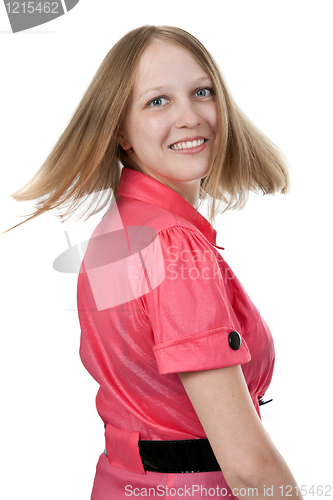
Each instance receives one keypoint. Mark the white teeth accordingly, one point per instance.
(188, 144)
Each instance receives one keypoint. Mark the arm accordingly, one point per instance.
(244, 450)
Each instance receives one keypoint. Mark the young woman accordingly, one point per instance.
(182, 356)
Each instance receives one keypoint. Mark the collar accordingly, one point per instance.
(137, 185)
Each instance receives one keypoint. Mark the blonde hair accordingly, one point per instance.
(87, 158)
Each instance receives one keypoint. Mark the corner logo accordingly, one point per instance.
(25, 15)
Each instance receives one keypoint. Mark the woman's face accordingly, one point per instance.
(171, 120)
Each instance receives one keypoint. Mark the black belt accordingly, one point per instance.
(191, 455)
(181, 456)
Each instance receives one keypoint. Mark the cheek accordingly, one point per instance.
(152, 131)
(148, 129)
(213, 118)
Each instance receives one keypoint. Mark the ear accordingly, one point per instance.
(121, 139)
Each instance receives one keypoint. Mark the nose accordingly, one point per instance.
(187, 115)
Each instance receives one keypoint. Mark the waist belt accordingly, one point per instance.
(183, 456)
(125, 450)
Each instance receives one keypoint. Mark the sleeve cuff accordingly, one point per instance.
(203, 351)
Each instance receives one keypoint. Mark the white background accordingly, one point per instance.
(277, 59)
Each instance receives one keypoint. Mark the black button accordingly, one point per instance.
(235, 340)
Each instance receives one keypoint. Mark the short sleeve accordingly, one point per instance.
(193, 323)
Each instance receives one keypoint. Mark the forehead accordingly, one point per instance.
(163, 63)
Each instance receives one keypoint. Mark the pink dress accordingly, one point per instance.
(156, 298)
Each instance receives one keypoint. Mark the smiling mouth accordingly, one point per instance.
(187, 144)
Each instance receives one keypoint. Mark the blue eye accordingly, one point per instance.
(156, 102)
(204, 92)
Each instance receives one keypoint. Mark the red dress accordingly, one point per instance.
(156, 298)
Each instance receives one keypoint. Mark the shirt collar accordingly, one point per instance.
(137, 185)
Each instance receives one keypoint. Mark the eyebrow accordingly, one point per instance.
(161, 87)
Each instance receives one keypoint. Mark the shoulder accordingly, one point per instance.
(134, 212)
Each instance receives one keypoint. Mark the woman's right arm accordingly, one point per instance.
(244, 450)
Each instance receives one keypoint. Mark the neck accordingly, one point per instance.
(188, 190)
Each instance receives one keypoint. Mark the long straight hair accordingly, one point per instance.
(87, 158)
